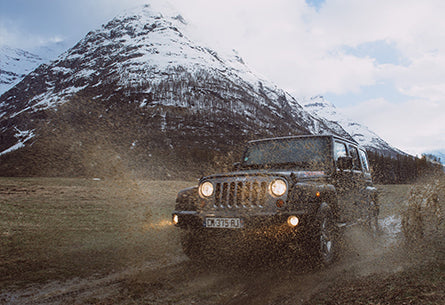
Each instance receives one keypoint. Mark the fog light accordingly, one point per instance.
(293, 221)
(175, 219)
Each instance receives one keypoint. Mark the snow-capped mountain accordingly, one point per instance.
(15, 64)
(437, 154)
(141, 84)
(145, 50)
(319, 106)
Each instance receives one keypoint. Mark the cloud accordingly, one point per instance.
(400, 21)
(29, 24)
(424, 77)
(413, 31)
(415, 125)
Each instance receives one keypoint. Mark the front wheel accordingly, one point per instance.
(193, 243)
(324, 237)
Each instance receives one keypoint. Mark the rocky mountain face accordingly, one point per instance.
(318, 105)
(141, 94)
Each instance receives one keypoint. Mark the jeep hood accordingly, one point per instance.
(265, 173)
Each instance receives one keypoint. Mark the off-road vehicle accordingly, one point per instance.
(296, 192)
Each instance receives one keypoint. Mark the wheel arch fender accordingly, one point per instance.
(312, 193)
(373, 199)
(187, 199)
(324, 208)
(328, 199)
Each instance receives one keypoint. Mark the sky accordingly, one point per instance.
(380, 62)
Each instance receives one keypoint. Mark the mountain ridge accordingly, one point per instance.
(362, 135)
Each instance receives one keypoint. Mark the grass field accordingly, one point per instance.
(54, 228)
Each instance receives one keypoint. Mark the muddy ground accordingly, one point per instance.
(92, 241)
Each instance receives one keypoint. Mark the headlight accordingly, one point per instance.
(206, 189)
(278, 187)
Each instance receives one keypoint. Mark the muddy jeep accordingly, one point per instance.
(294, 192)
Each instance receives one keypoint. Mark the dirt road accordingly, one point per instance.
(379, 271)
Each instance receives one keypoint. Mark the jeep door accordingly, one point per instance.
(349, 182)
(360, 183)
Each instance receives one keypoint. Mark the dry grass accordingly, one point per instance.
(54, 228)
(423, 219)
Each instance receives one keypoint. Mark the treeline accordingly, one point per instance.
(401, 169)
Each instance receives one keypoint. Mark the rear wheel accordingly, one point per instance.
(327, 240)
(372, 222)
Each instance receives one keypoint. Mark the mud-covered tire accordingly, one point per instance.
(324, 237)
(372, 221)
(196, 245)
(191, 242)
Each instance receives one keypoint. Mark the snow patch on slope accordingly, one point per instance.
(22, 136)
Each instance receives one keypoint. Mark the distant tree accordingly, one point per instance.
(402, 168)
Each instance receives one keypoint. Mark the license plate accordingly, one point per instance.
(226, 223)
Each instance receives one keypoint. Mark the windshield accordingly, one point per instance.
(305, 153)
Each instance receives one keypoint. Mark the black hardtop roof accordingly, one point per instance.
(306, 136)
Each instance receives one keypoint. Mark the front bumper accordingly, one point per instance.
(258, 231)
(197, 220)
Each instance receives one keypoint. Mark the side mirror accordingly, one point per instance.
(344, 163)
(236, 166)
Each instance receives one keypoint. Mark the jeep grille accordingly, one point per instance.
(240, 194)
